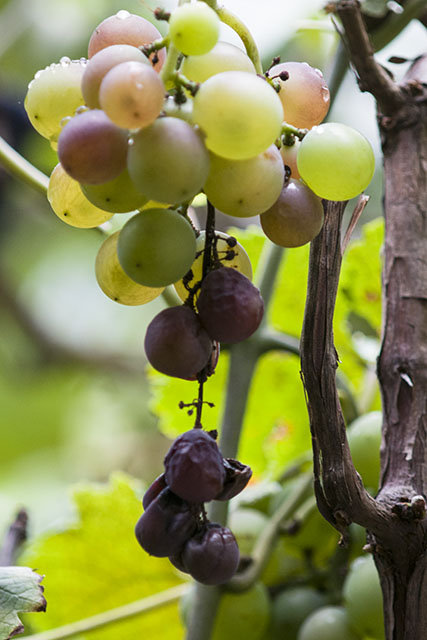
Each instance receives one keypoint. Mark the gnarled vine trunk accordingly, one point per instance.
(396, 520)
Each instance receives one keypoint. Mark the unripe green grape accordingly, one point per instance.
(113, 280)
(54, 94)
(168, 161)
(327, 623)
(240, 615)
(240, 114)
(68, 202)
(291, 607)
(284, 563)
(239, 261)
(126, 28)
(245, 188)
(224, 56)
(101, 63)
(118, 196)
(156, 247)
(295, 218)
(336, 161)
(132, 95)
(363, 598)
(194, 28)
(247, 524)
(304, 95)
(364, 438)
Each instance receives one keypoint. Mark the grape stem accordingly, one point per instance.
(264, 546)
(289, 130)
(233, 21)
(17, 166)
(181, 81)
(114, 615)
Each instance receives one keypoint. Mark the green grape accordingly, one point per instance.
(239, 260)
(168, 161)
(101, 63)
(223, 57)
(126, 28)
(240, 114)
(336, 161)
(132, 95)
(245, 188)
(156, 247)
(240, 615)
(118, 195)
(194, 28)
(327, 623)
(246, 525)
(364, 438)
(315, 536)
(304, 95)
(284, 563)
(69, 203)
(291, 607)
(92, 149)
(295, 218)
(113, 280)
(289, 157)
(54, 94)
(363, 598)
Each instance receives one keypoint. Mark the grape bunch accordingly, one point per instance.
(143, 126)
(174, 523)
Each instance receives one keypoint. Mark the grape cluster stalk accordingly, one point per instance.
(144, 125)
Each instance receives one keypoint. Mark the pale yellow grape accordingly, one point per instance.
(240, 261)
(101, 63)
(118, 196)
(304, 95)
(336, 161)
(113, 280)
(223, 57)
(239, 113)
(194, 28)
(245, 188)
(132, 95)
(54, 94)
(69, 203)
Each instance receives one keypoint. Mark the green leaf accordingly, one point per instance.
(98, 565)
(20, 591)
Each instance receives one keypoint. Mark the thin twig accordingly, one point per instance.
(361, 203)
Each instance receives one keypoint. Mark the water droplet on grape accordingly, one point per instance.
(131, 141)
(122, 14)
(325, 93)
(319, 73)
(64, 121)
(64, 61)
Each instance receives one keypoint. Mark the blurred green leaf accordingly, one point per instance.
(20, 591)
(97, 565)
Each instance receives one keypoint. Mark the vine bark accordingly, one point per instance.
(396, 519)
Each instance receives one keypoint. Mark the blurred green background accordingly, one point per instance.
(75, 402)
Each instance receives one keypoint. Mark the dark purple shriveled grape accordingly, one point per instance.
(194, 467)
(153, 490)
(230, 306)
(212, 555)
(176, 344)
(166, 525)
(237, 476)
(92, 149)
(177, 562)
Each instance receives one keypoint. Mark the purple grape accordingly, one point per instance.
(166, 525)
(177, 562)
(194, 467)
(236, 478)
(92, 149)
(176, 344)
(211, 556)
(153, 491)
(230, 307)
